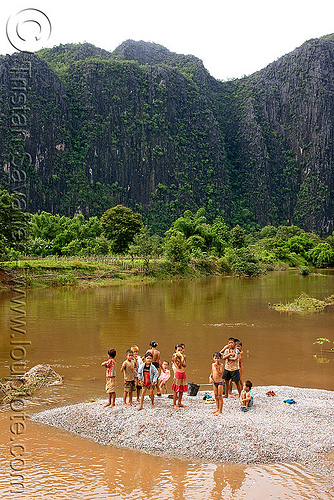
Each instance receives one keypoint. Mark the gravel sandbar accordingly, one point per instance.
(270, 432)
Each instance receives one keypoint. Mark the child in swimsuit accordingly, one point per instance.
(180, 380)
(217, 381)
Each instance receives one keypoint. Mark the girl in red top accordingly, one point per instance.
(180, 380)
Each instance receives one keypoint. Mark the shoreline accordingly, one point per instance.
(270, 432)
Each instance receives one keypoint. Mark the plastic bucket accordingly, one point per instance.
(193, 389)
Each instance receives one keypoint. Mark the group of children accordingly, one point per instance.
(222, 376)
(141, 374)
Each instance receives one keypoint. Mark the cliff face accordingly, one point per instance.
(152, 129)
(281, 144)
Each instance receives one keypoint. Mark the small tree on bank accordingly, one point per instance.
(146, 246)
(120, 225)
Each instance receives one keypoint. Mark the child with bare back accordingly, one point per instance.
(128, 369)
(138, 362)
(180, 380)
(156, 360)
(238, 345)
(218, 384)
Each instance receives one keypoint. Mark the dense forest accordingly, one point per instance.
(154, 131)
(190, 243)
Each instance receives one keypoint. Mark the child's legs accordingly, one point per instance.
(220, 397)
(241, 375)
(180, 398)
(138, 392)
(163, 387)
(215, 391)
(152, 397)
(248, 400)
(227, 388)
(174, 398)
(144, 389)
(130, 396)
(124, 396)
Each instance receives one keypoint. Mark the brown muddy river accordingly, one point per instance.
(72, 330)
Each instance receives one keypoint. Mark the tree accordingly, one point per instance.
(13, 222)
(120, 224)
(176, 249)
(322, 255)
(146, 246)
(221, 234)
(238, 237)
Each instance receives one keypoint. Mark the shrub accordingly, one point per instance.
(223, 265)
(322, 255)
(206, 264)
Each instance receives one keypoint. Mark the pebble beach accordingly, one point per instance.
(270, 432)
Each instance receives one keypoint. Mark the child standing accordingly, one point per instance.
(216, 379)
(231, 372)
(246, 396)
(110, 365)
(180, 380)
(128, 369)
(138, 362)
(148, 378)
(164, 377)
(156, 360)
(238, 345)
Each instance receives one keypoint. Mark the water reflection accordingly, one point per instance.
(72, 330)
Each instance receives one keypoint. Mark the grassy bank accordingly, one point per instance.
(98, 271)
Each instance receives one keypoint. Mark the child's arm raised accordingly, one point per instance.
(223, 349)
(234, 356)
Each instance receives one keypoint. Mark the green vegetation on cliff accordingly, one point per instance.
(152, 130)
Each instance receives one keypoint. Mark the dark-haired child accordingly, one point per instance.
(156, 360)
(238, 345)
(246, 396)
(147, 378)
(217, 381)
(231, 372)
(180, 380)
(110, 377)
(128, 369)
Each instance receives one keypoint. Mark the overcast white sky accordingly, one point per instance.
(232, 37)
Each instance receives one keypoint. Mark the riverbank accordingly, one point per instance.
(94, 272)
(270, 432)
